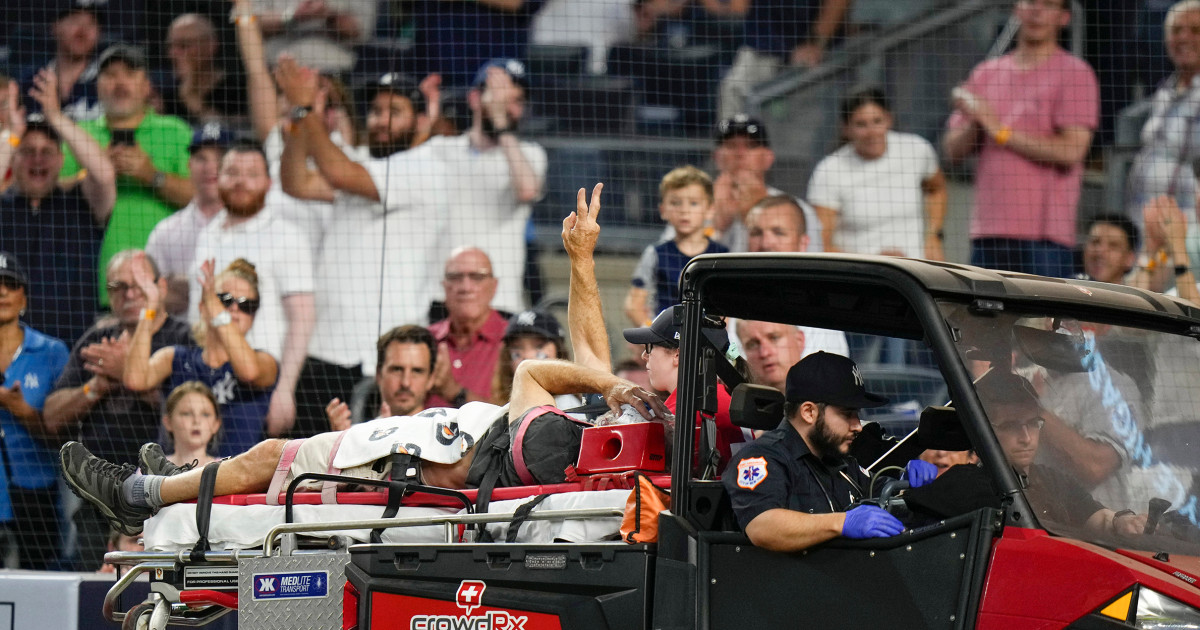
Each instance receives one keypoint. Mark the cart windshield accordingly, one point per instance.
(1095, 418)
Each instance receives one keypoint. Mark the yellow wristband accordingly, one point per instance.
(1003, 135)
(149, 313)
(88, 393)
(243, 20)
(13, 139)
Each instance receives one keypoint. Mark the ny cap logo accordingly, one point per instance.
(3, 261)
(470, 595)
(527, 318)
(858, 379)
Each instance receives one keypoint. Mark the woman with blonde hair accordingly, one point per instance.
(242, 379)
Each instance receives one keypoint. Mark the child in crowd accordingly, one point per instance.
(687, 202)
(192, 419)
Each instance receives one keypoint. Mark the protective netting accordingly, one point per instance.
(357, 174)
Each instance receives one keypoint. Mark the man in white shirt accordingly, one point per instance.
(249, 229)
(172, 244)
(381, 259)
(494, 177)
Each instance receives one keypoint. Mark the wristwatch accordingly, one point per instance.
(158, 180)
(220, 319)
(300, 112)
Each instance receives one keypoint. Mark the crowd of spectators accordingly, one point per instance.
(208, 236)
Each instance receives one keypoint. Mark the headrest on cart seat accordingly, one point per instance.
(756, 406)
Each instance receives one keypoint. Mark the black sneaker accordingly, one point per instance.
(153, 461)
(99, 482)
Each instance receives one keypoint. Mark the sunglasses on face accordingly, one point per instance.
(246, 305)
(651, 346)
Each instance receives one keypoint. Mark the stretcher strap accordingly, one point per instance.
(518, 440)
(329, 488)
(204, 499)
(285, 463)
(520, 515)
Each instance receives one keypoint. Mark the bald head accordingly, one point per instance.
(191, 41)
(469, 284)
(777, 224)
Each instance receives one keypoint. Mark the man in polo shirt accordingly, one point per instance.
(382, 249)
(795, 486)
(471, 334)
(249, 228)
(172, 244)
(152, 169)
(56, 230)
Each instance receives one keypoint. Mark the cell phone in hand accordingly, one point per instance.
(123, 138)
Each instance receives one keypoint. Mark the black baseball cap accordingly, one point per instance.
(10, 267)
(131, 56)
(82, 6)
(399, 84)
(666, 329)
(514, 67)
(37, 122)
(940, 429)
(534, 322)
(211, 134)
(742, 125)
(832, 379)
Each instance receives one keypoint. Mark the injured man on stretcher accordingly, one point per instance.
(441, 443)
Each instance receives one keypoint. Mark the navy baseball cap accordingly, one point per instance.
(82, 6)
(534, 322)
(212, 134)
(742, 125)
(514, 67)
(10, 267)
(832, 379)
(666, 329)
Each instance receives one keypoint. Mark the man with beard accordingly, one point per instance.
(248, 228)
(148, 151)
(382, 251)
(794, 487)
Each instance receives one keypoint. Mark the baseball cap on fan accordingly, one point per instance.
(10, 267)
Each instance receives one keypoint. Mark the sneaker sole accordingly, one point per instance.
(117, 523)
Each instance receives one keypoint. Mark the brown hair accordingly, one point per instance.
(408, 333)
(502, 378)
(684, 176)
(191, 387)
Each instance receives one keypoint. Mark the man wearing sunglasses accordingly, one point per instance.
(89, 402)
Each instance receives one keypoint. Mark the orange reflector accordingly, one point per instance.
(1120, 608)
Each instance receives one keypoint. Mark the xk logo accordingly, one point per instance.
(266, 585)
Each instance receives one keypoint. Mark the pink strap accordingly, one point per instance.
(281, 471)
(518, 440)
(329, 488)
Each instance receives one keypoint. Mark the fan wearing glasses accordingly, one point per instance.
(242, 378)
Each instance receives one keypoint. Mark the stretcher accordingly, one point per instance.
(282, 566)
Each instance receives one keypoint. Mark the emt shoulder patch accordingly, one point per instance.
(751, 472)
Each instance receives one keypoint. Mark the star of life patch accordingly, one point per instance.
(751, 472)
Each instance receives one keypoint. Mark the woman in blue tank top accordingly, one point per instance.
(241, 378)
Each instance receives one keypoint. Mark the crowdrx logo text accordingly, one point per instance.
(469, 597)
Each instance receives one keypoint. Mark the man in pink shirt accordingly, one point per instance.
(470, 337)
(1030, 114)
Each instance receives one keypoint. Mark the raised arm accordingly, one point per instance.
(143, 371)
(297, 179)
(300, 312)
(537, 382)
(585, 316)
(100, 185)
(264, 109)
(934, 190)
(299, 85)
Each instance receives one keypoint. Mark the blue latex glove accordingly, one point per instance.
(868, 521)
(919, 472)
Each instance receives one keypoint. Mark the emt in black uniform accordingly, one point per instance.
(791, 488)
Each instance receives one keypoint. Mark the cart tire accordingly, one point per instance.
(138, 618)
(160, 616)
